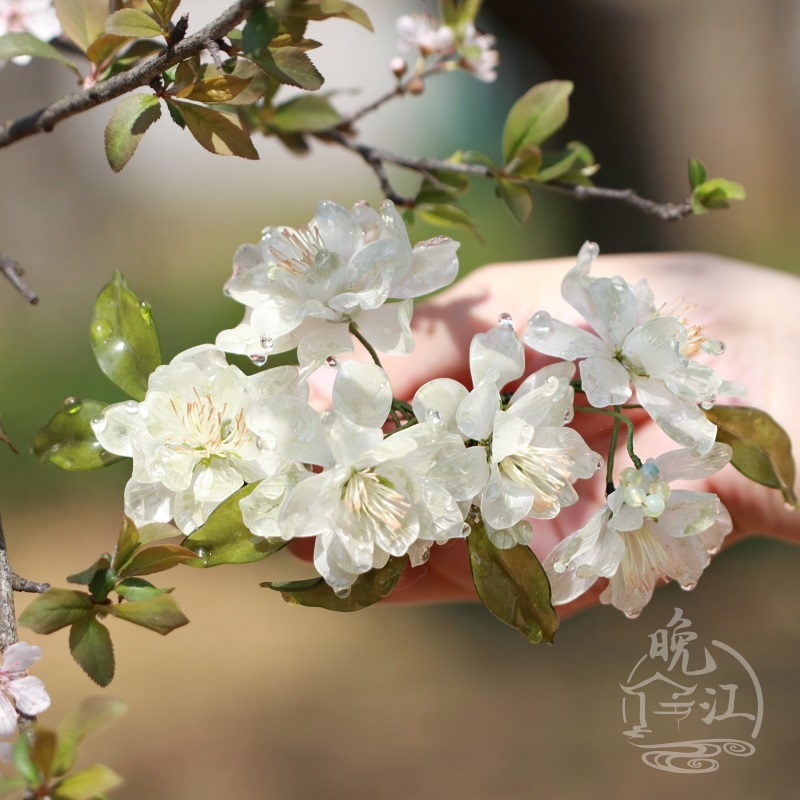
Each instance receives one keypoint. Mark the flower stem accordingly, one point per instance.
(356, 331)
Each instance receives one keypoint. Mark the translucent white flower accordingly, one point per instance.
(478, 55)
(189, 439)
(374, 495)
(303, 288)
(20, 693)
(633, 344)
(647, 531)
(529, 459)
(424, 32)
(37, 17)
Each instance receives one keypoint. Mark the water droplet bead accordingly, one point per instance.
(72, 405)
(332, 362)
(675, 417)
(342, 592)
(714, 347)
(259, 359)
(131, 406)
(654, 506)
(267, 344)
(431, 415)
(100, 332)
(569, 415)
(424, 555)
(225, 429)
(619, 283)
(632, 614)
(506, 320)
(466, 529)
(99, 423)
(600, 463)
(541, 324)
(688, 586)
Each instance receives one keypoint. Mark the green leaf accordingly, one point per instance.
(85, 577)
(218, 133)
(55, 609)
(132, 23)
(517, 198)
(448, 214)
(124, 338)
(762, 450)
(257, 82)
(160, 614)
(562, 165)
(225, 539)
(127, 543)
(23, 761)
(83, 21)
(715, 194)
(90, 645)
(88, 784)
(176, 115)
(137, 589)
(153, 531)
(536, 116)
(697, 172)
(91, 716)
(305, 113)
(291, 66)
(457, 14)
(25, 44)
(258, 32)
(133, 55)
(157, 558)
(43, 751)
(219, 88)
(370, 587)
(513, 585)
(525, 163)
(131, 118)
(164, 9)
(68, 441)
(104, 47)
(318, 10)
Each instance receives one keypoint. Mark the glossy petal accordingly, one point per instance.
(362, 393)
(500, 350)
(605, 381)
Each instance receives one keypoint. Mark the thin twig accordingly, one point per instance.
(14, 272)
(377, 157)
(20, 584)
(47, 118)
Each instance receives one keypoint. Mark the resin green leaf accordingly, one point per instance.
(124, 338)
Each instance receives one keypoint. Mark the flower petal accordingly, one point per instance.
(362, 393)
(605, 381)
(388, 328)
(30, 695)
(498, 349)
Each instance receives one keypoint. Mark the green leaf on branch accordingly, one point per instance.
(133, 24)
(536, 116)
(160, 613)
(85, 577)
(368, 589)
(525, 163)
(318, 10)
(164, 9)
(305, 113)
(56, 609)
(217, 87)
(573, 165)
(457, 14)
(225, 539)
(697, 172)
(517, 198)
(259, 30)
(43, 751)
(88, 784)
(137, 589)
(218, 133)
(157, 558)
(513, 585)
(23, 761)
(133, 55)
(90, 645)
(124, 337)
(68, 441)
(129, 122)
(91, 716)
(715, 194)
(103, 48)
(82, 21)
(448, 214)
(291, 66)
(13, 45)
(762, 450)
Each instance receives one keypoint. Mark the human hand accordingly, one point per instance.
(751, 309)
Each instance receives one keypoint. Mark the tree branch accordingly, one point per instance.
(8, 618)
(47, 118)
(20, 584)
(377, 158)
(13, 271)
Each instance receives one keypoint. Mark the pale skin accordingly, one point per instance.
(755, 311)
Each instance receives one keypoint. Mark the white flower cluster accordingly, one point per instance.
(427, 35)
(373, 476)
(20, 693)
(37, 17)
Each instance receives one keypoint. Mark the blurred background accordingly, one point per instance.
(259, 699)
